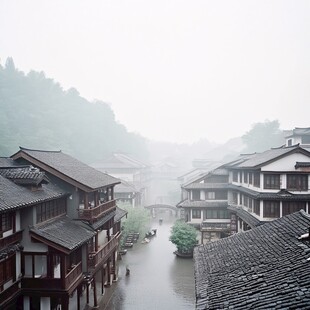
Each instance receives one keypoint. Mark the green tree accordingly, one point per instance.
(138, 220)
(37, 113)
(184, 236)
(263, 136)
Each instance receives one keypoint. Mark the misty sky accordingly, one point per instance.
(171, 70)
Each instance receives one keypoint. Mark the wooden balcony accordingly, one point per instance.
(9, 293)
(93, 213)
(52, 284)
(11, 239)
(100, 257)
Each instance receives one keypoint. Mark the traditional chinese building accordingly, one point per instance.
(68, 236)
(253, 189)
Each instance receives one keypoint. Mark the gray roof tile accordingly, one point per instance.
(70, 167)
(267, 267)
(64, 232)
(202, 203)
(261, 158)
(13, 196)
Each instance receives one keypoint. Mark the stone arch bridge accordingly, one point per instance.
(161, 206)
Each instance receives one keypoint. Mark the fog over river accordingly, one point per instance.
(158, 279)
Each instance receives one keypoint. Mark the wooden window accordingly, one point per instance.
(34, 264)
(289, 207)
(217, 214)
(196, 214)
(221, 195)
(235, 176)
(210, 195)
(50, 209)
(271, 181)
(196, 195)
(271, 209)
(245, 177)
(256, 179)
(256, 207)
(7, 270)
(235, 198)
(251, 178)
(297, 182)
(6, 221)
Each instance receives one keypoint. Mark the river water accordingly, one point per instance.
(158, 279)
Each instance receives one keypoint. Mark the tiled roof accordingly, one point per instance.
(198, 178)
(270, 155)
(202, 203)
(280, 195)
(120, 213)
(300, 164)
(206, 186)
(6, 162)
(119, 161)
(297, 131)
(100, 222)
(245, 216)
(23, 175)
(13, 196)
(125, 187)
(70, 167)
(267, 267)
(63, 232)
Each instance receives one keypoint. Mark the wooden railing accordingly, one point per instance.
(103, 253)
(9, 292)
(73, 275)
(45, 283)
(11, 239)
(92, 214)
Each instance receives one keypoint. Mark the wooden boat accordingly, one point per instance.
(122, 252)
(151, 233)
(128, 245)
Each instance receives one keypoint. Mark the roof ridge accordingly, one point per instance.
(36, 150)
(304, 214)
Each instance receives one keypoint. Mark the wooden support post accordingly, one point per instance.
(86, 206)
(78, 293)
(63, 270)
(95, 292)
(96, 242)
(87, 293)
(102, 280)
(114, 266)
(109, 271)
(65, 303)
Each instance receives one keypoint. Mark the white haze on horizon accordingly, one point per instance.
(175, 71)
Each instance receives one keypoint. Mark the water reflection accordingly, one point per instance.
(158, 279)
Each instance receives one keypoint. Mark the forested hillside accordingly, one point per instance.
(37, 113)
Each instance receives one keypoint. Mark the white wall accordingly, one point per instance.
(285, 164)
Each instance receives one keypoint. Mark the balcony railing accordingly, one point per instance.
(103, 253)
(74, 274)
(44, 283)
(9, 293)
(11, 239)
(92, 214)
